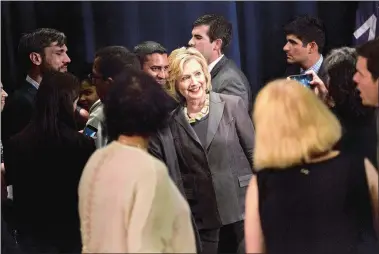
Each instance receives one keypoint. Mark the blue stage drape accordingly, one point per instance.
(256, 46)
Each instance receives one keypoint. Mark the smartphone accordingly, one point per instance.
(304, 79)
(90, 131)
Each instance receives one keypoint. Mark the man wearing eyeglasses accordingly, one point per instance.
(109, 62)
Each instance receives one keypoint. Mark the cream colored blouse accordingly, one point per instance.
(129, 204)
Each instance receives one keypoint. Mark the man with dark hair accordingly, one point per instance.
(358, 121)
(305, 37)
(367, 77)
(211, 35)
(41, 50)
(109, 62)
(154, 60)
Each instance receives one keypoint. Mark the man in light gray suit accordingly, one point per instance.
(211, 35)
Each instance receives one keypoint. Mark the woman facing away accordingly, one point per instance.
(306, 197)
(208, 147)
(359, 134)
(127, 201)
(44, 163)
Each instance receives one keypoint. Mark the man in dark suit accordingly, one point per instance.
(41, 50)
(367, 78)
(211, 35)
(305, 37)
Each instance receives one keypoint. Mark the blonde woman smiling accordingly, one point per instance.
(210, 156)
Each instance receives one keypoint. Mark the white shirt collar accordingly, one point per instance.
(213, 64)
(32, 81)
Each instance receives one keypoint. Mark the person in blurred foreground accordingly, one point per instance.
(127, 200)
(306, 197)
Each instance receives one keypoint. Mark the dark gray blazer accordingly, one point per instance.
(227, 78)
(217, 174)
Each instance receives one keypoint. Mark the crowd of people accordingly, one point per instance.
(168, 152)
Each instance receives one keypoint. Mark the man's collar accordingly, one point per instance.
(32, 81)
(213, 64)
(316, 67)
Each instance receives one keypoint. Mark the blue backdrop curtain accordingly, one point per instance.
(256, 46)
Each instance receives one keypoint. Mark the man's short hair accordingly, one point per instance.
(219, 28)
(307, 29)
(148, 48)
(370, 51)
(37, 41)
(114, 59)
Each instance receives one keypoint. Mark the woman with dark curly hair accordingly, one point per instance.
(127, 201)
(358, 121)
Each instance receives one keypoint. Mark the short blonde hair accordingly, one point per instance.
(292, 125)
(176, 60)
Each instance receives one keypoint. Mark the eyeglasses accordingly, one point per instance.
(93, 77)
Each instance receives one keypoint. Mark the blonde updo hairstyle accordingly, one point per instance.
(177, 59)
(292, 125)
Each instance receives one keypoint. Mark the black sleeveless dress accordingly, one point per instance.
(318, 208)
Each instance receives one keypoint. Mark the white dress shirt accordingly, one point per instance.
(213, 64)
(32, 81)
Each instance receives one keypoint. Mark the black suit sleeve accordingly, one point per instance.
(155, 147)
(16, 115)
(10, 156)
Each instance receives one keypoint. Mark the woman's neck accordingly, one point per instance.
(195, 106)
(136, 141)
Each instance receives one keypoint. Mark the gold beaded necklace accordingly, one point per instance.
(200, 115)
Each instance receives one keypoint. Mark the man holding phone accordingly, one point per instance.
(109, 62)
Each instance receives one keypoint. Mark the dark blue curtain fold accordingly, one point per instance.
(256, 46)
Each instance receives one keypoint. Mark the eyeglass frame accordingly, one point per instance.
(92, 77)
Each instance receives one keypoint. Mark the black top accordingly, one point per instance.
(17, 111)
(360, 137)
(317, 208)
(45, 176)
(201, 128)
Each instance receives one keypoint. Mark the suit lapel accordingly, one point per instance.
(181, 119)
(218, 66)
(216, 109)
(29, 91)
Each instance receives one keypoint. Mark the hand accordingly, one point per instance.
(84, 114)
(319, 87)
(81, 131)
